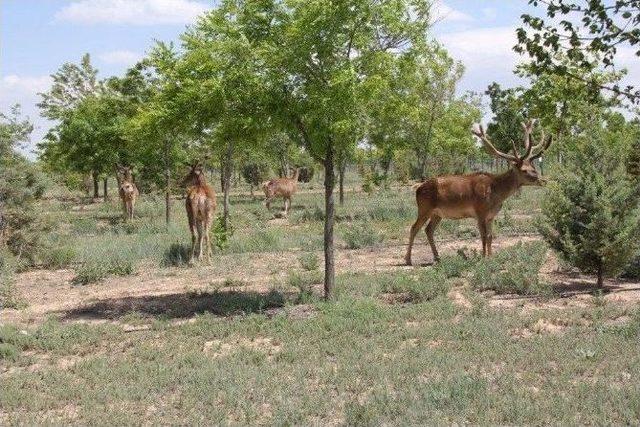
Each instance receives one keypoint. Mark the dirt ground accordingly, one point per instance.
(154, 290)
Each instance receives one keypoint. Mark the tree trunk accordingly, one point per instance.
(329, 184)
(227, 173)
(96, 185)
(600, 275)
(105, 183)
(167, 194)
(341, 170)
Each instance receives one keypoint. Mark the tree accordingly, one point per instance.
(318, 58)
(590, 34)
(508, 111)
(21, 185)
(71, 84)
(591, 215)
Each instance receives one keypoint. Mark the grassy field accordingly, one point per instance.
(114, 328)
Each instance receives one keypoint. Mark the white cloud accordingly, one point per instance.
(132, 12)
(120, 57)
(487, 54)
(23, 90)
(489, 13)
(444, 13)
(14, 85)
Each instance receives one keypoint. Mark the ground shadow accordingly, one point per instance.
(179, 306)
(583, 286)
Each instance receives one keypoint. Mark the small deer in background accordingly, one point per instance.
(201, 205)
(127, 190)
(478, 195)
(281, 187)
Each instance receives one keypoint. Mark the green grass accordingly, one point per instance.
(358, 360)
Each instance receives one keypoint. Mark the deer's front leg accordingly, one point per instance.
(489, 235)
(482, 226)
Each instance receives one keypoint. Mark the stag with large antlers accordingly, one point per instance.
(127, 190)
(200, 204)
(281, 187)
(478, 195)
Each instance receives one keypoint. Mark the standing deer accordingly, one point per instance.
(200, 204)
(127, 190)
(281, 187)
(478, 195)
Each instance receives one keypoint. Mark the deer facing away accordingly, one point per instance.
(200, 205)
(477, 195)
(127, 190)
(281, 187)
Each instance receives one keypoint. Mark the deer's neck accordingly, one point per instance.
(505, 184)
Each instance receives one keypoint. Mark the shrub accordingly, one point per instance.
(221, 235)
(455, 265)
(512, 270)
(98, 268)
(425, 286)
(304, 283)
(58, 257)
(309, 261)
(255, 172)
(590, 212)
(361, 236)
(9, 352)
(176, 255)
(9, 296)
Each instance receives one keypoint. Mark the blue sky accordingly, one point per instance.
(37, 36)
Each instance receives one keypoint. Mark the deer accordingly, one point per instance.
(281, 187)
(127, 190)
(200, 205)
(478, 195)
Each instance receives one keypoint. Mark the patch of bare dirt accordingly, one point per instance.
(182, 292)
(459, 299)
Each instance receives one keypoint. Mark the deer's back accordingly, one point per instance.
(282, 186)
(455, 196)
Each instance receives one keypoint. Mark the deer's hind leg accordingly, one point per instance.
(422, 218)
(431, 227)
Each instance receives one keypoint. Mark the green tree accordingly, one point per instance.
(589, 34)
(21, 185)
(318, 59)
(590, 213)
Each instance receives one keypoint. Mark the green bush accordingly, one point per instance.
(425, 286)
(98, 268)
(512, 270)
(591, 215)
(309, 261)
(361, 235)
(455, 265)
(9, 352)
(176, 255)
(59, 257)
(304, 282)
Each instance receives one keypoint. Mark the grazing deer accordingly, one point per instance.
(478, 195)
(127, 190)
(200, 204)
(281, 187)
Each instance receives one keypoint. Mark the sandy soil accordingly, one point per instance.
(180, 293)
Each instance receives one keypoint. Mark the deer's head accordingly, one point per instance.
(125, 172)
(522, 164)
(195, 176)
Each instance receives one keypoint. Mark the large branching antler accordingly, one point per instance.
(480, 133)
(529, 146)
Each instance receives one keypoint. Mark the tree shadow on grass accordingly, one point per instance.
(179, 306)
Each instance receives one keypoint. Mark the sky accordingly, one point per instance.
(38, 36)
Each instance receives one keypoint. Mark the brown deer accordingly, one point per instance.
(127, 190)
(478, 195)
(281, 187)
(200, 204)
